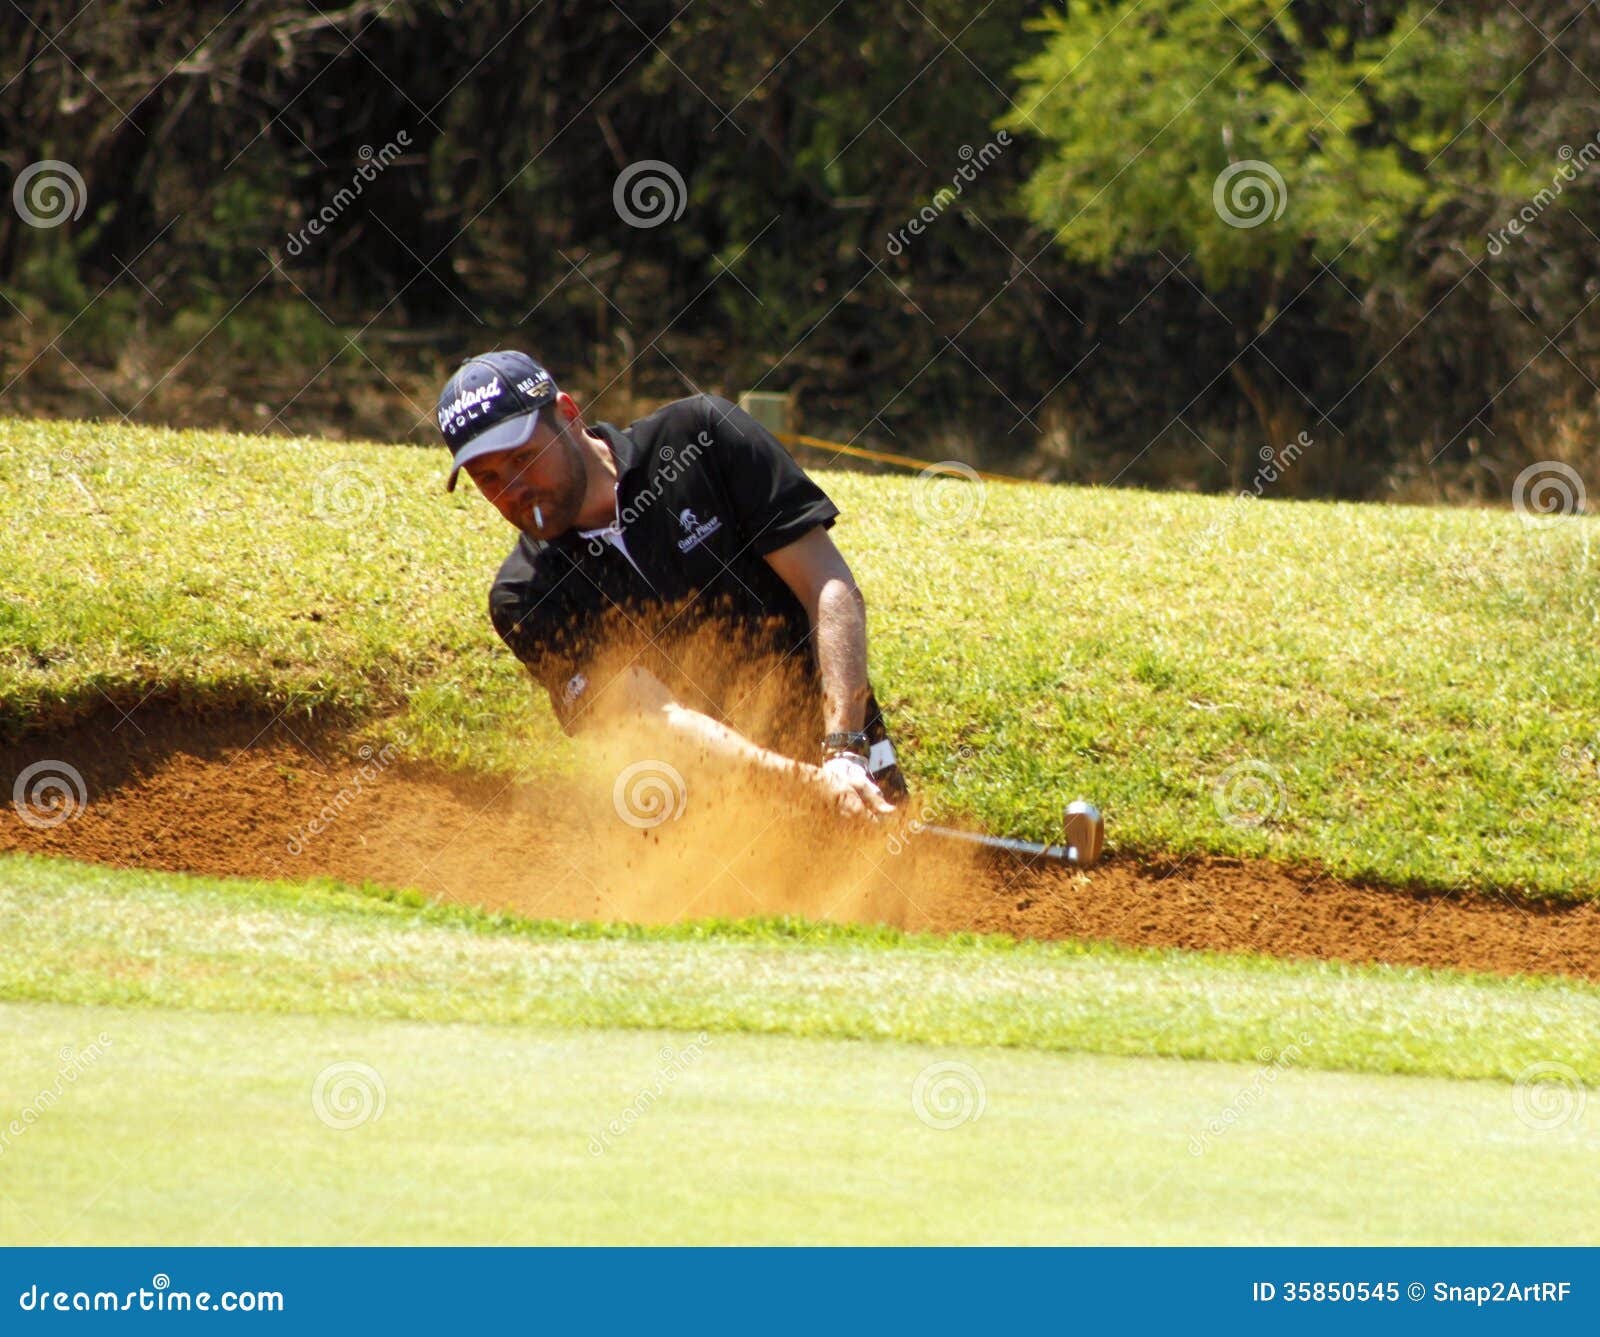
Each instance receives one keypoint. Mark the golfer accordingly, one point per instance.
(675, 579)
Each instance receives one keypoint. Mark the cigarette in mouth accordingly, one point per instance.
(538, 518)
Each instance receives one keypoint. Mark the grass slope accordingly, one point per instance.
(94, 936)
(1400, 693)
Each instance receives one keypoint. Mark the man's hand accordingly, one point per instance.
(850, 787)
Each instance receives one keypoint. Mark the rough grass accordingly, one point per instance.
(1403, 694)
(83, 934)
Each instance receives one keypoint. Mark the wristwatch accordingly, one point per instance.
(846, 745)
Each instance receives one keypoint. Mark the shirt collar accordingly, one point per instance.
(624, 449)
(621, 447)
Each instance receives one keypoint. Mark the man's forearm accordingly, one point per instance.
(636, 701)
(841, 635)
(690, 734)
(641, 710)
(717, 740)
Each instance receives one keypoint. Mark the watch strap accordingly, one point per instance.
(854, 744)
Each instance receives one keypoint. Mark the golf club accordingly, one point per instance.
(1083, 836)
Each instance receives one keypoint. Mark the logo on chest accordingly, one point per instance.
(697, 531)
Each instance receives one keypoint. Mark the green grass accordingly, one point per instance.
(177, 1054)
(1413, 685)
(1417, 684)
(193, 1128)
(88, 935)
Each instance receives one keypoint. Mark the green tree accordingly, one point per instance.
(1260, 143)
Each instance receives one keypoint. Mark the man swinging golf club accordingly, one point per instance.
(693, 524)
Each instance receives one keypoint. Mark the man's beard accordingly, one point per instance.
(560, 509)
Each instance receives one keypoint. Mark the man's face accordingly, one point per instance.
(546, 472)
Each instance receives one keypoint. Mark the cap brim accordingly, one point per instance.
(507, 435)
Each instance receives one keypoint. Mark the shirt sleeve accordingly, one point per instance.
(546, 635)
(774, 500)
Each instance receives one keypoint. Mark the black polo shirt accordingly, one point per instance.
(704, 492)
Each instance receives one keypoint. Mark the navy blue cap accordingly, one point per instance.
(492, 403)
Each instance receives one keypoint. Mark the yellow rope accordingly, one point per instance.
(882, 457)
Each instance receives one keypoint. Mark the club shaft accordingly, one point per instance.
(1028, 849)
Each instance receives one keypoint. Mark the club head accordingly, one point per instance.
(1084, 833)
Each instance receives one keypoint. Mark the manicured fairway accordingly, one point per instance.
(84, 934)
(196, 1128)
(190, 1060)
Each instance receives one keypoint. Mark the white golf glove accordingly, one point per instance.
(851, 786)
